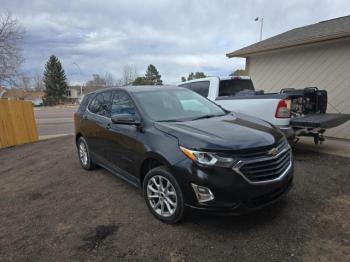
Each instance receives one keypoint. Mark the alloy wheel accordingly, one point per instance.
(83, 154)
(162, 196)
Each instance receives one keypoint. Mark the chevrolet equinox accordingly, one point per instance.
(182, 150)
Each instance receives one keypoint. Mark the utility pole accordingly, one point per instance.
(81, 86)
(261, 19)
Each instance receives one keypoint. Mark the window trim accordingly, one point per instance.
(137, 113)
(92, 99)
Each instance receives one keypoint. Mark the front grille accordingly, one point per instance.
(265, 168)
(261, 153)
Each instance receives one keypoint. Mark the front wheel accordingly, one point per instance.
(163, 195)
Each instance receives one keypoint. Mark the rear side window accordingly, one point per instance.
(122, 104)
(201, 87)
(101, 104)
(233, 86)
(84, 103)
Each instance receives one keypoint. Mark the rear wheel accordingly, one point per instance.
(163, 195)
(84, 154)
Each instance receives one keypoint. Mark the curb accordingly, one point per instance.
(53, 136)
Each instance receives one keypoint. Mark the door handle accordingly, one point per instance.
(85, 117)
(108, 126)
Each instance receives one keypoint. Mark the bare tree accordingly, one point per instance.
(23, 81)
(109, 80)
(129, 75)
(96, 83)
(11, 36)
(38, 82)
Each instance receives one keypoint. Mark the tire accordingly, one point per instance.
(165, 201)
(84, 154)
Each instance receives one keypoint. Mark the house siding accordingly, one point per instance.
(326, 66)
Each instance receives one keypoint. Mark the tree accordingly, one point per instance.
(38, 82)
(239, 72)
(97, 82)
(11, 36)
(140, 81)
(152, 77)
(25, 81)
(192, 76)
(55, 80)
(129, 75)
(109, 80)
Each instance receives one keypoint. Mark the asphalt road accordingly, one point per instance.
(52, 121)
(52, 209)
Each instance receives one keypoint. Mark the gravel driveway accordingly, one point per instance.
(51, 209)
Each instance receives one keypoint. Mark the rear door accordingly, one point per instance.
(98, 122)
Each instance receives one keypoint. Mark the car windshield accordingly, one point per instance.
(176, 105)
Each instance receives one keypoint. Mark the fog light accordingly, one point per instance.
(203, 194)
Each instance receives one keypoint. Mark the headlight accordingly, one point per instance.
(208, 158)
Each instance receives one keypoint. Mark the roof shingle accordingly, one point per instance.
(322, 31)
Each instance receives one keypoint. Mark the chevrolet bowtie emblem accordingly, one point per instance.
(273, 151)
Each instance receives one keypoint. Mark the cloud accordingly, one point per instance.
(176, 36)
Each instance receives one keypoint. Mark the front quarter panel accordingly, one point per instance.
(160, 146)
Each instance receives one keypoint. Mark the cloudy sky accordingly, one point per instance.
(176, 36)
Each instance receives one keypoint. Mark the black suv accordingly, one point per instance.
(183, 150)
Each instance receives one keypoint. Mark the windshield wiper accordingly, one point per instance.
(206, 116)
(169, 120)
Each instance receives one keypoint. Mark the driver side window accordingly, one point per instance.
(101, 104)
(122, 104)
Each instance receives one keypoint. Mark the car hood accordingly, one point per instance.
(232, 132)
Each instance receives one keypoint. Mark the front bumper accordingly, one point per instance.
(252, 205)
(232, 193)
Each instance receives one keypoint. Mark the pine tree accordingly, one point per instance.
(152, 76)
(140, 81)
(55, 80)
(192, 76)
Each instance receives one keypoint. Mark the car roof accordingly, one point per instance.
(135, 89)
(217, 77)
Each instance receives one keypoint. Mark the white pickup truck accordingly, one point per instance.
(297, 112)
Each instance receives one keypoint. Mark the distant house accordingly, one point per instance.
(314, 55)
(73, 92)
(22, 94)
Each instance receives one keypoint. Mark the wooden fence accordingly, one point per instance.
(17, 123)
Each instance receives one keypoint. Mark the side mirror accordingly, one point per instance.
(124, 119)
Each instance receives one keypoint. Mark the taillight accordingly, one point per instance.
(283, 109)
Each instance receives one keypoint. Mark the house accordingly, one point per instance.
(314, 55)
(73, 93)
(22, 94)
